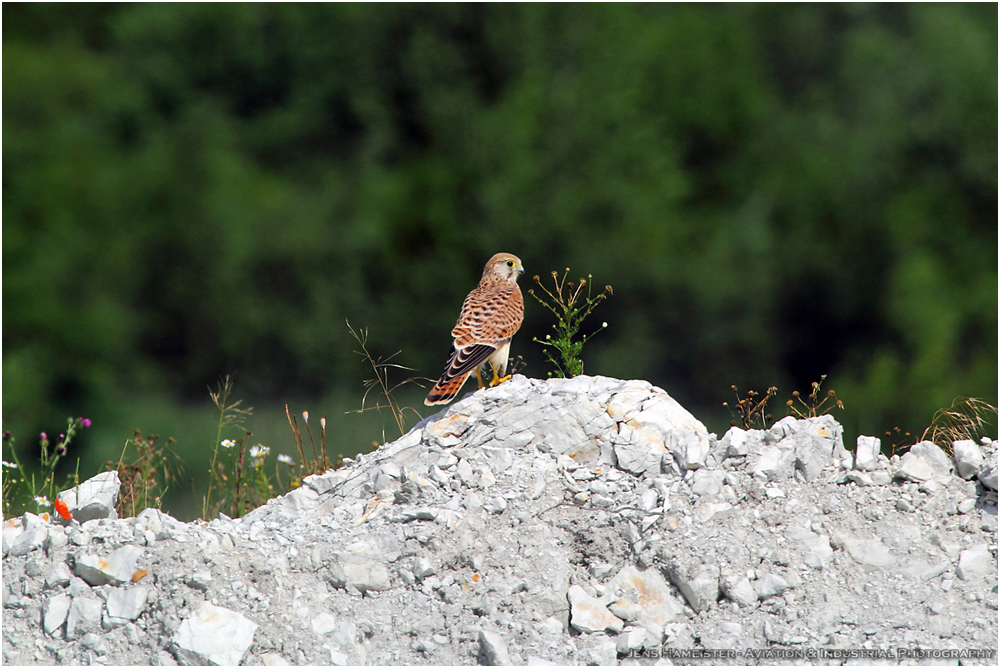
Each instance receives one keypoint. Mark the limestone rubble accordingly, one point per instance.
(573, 521)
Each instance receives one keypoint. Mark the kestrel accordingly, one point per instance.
(491, 314)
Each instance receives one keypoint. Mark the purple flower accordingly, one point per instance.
(86, 422)
(62, 436)
(43, 436)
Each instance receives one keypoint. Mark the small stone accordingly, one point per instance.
(201, 580)
(648, 499)
(493, 649)
(742, 592)
(29, 540)
(495, 505)
(988, 476)
(968, 458)
(55, 610)
(644, 597)
(770, 585)
(881, 477)
(323, 623)
(589, 615)
(464, 472)
(272, 659)
(707, 482)
(923, 462)
(976, 562)
(699, 584)
(423, 568)
(59, 576)
(737, 442)
(966, 505)
(866, 454)
(915, 468)
(127, 603)
(214, 635)
(116, 569)
(84, 617)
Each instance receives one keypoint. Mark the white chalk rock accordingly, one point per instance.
(213, 636)
(968, 458)
(769, 585)
(55, 611)
(923, 462)
(742, 592)
(976, 562)
(698, 583)
(84, 617)
(116, 569)
(493, 649)
(644, 598)
(588, 614)
(94, 499)
(866, 453)
(127, 603)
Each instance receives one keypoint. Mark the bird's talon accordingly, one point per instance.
(497, 381)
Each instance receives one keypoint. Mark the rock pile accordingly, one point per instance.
(575, 521)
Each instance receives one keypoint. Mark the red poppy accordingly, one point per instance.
(63, 510)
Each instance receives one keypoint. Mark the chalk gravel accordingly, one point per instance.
(583, 521)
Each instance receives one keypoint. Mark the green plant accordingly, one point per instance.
(246, 482)
(750, 412)
(381, 381)
(964, 419)
(230, 416)
(815, 407)
(148, 477)
(20, 488)
(571, 308)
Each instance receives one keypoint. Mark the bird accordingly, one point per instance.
(491, 315)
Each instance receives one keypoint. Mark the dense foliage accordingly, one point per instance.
(774, 191)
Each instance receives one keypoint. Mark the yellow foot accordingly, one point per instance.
(496, 381)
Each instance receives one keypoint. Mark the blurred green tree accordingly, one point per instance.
(775, 192)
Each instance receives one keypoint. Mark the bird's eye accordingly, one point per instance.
(510, 263)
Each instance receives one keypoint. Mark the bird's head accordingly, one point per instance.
(503, 266)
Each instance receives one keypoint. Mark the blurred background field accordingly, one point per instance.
(774, 192)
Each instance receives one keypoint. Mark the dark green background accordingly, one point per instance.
(773, 191)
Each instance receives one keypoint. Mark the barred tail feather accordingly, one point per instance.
(445, 390)
(460, 366)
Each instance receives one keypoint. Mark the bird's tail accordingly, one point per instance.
(445, 389)
(461, 364)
